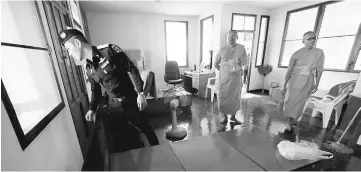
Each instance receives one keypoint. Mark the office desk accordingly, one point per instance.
(196, 80)
(246, 149)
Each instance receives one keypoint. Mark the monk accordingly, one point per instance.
(302, 78)
(229, 62)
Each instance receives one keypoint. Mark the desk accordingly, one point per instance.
(154, 158)
(196, 80)
(245, 149)
(261, 146)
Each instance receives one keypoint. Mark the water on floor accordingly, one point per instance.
(203, 118)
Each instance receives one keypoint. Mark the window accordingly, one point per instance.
(358, 62)
(356, 55)
(262, 40)
(335, 25)
(29, 88)
(76, 14)
(176, 35)
(206, 39)
(245, 25)
(298, 23)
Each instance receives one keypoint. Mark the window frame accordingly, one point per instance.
(265, 39)
(253, 38)
(246, 31)
(355, 51)
(26, 139)
(319, 17)
(243, 14)
(72, 15)
(165, 32)
(201, 34)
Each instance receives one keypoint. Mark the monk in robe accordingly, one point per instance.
(302, 78)
(229, 62)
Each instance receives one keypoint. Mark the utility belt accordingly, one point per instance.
(119, 99)
(117, 96)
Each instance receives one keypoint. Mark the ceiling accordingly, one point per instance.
(172, 7)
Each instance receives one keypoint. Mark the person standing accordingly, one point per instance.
(229, 62)
(302, 78)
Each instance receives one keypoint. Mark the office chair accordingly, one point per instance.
(172, 74)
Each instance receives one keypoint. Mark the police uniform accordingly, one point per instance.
(111, 69)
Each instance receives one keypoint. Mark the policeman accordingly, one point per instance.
(109, 67)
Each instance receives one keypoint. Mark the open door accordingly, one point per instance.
(58, 18)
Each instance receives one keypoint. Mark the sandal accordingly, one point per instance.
(289, 129)
(234, 120)
(293, 123)
(225, 119)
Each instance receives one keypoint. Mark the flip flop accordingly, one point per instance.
(224, 121)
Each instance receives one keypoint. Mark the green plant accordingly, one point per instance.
(264, 70)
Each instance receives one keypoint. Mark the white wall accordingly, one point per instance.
(145, 32)
(57, 146)
(255, 79)
(275, 34)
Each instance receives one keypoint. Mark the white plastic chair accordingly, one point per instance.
(327, 105)
(213, 87)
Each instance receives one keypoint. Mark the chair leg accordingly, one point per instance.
(305, 107)
(314, 112)
(212, 95)
(326, 117)
(205, 96)
(338, 109)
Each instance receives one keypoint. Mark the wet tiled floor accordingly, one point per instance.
(203, 118)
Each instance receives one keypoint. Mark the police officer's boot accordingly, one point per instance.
(150, 134)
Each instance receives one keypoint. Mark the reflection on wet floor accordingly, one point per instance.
(203, 118)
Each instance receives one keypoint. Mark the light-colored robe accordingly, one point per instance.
(230, 80)
(304, 64)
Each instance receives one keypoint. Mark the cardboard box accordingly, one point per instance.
(277, 95)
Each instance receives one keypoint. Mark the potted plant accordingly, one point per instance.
(264, 70)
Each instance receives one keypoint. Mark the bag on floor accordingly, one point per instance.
(295, 151)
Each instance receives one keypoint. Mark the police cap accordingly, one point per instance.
(66, 34)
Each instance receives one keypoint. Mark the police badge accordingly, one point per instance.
(63, 35)
(116, 49)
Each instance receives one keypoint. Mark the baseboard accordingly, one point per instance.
(259, 91)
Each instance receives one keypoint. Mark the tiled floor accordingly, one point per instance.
(203, 118)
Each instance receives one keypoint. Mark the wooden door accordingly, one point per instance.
(58, 17)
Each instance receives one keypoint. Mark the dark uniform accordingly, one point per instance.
(111, 69)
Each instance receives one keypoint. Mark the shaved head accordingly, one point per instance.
(309, 39)
(309, 33)
(232, 37)
(233, 32)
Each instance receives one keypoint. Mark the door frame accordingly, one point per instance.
(49, 29)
